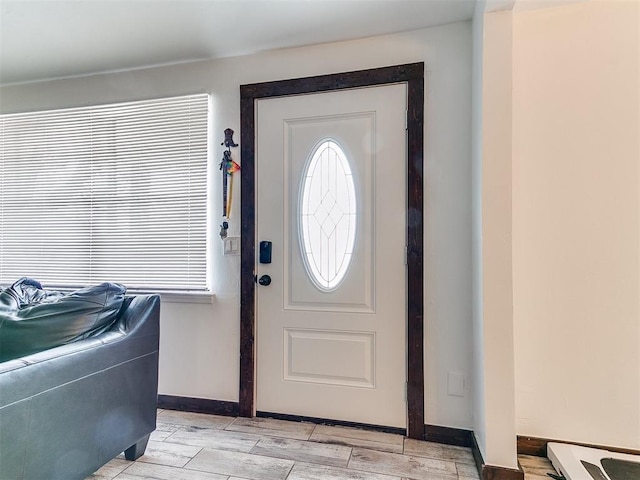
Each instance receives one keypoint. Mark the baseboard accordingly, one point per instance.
(538, 446)
(432, 433)
(448, 435)
(198, 405)
(493, 472)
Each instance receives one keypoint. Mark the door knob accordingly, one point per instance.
(264, 280)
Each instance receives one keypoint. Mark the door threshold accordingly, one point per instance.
(333, 423)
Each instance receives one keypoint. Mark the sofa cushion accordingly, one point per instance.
(33, 319)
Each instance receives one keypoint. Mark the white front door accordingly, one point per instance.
(331, 199)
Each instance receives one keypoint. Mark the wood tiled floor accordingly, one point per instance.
(192, 446)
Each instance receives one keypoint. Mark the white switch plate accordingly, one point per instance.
(455, 384)
(232, 245)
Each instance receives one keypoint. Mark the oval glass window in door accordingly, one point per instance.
(328, 215)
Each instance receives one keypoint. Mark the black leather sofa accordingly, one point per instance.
(68, 410)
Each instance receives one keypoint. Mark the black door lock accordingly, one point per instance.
(264, 280)
(265, 252)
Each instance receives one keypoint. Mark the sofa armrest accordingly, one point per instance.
(136, 312)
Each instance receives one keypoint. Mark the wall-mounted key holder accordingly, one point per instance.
(265, 252)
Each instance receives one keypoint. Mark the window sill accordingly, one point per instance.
(179, 297)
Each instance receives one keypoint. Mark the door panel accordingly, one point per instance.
(331, 340)
(356, 291)
(305, 352)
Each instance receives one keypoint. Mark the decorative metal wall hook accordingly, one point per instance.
(228, 138)
(228, 167)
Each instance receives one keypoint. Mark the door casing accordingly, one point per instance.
(413, 76)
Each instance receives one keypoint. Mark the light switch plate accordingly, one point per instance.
(232, 245)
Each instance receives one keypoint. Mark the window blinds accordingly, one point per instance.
(106, 193)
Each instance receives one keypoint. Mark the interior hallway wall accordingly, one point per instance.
(199, 354)
(576, 214)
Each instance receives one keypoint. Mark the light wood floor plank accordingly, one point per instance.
(238, 464)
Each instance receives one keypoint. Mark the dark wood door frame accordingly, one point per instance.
(413, 76)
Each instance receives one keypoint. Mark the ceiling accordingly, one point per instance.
(44, 39)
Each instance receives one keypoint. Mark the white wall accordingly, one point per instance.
(576, 218)
(494, 393)
(479, 417)
(200, 343)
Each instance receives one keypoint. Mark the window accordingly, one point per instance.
(106, 193)
(327, 215)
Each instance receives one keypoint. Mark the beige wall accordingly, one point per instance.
(576, 222)
(199, 353)
(555, 223)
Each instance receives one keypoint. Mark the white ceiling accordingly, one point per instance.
(43, 39)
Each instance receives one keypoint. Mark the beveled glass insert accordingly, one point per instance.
(328, 215)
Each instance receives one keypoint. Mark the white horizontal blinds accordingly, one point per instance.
(106, 193)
